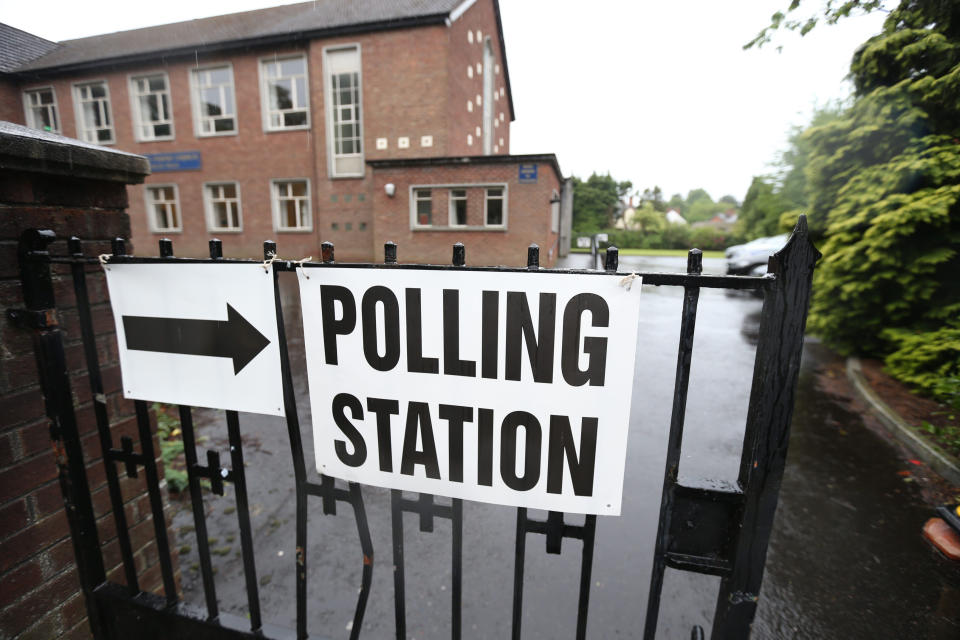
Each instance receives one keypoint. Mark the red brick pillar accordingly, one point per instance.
(74, 189)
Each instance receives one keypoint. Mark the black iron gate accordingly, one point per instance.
(710, 529)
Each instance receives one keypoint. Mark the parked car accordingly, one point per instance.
(750, 259)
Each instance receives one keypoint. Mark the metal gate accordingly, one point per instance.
(718, 530)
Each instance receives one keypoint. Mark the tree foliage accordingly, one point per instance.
(773, 202)
(833, 12)
(654, 197)
(762, 209)
(596, 202)
(884, 181)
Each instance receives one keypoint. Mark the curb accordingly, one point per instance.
(931, 454)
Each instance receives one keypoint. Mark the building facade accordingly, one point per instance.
(354, 122)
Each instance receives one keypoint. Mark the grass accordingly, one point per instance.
(171, 448)
(680, 253)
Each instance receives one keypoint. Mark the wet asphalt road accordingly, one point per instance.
(846, 559)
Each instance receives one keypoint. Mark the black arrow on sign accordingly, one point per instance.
(233, 338)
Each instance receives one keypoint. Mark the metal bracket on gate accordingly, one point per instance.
(703, 526)
(28, 319)
(425, 507)
(556, 529)
(127, 456)
(329, 493)
(216, 474)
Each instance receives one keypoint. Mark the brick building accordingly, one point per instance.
(351, 121)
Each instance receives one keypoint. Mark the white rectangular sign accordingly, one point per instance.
(510, 388)
(202, 334)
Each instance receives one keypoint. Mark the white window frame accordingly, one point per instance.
(503, 209)
(414, 226)
(135, 95)
(265, 94)
(275, 205)
(331, 104)
(208, 205)
(415, 200)
(106, 110)
(453, 211)
(196, 102)
(149, 202)
(28, 108)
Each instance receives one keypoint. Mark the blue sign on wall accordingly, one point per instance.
(176, 161)
(527, 173)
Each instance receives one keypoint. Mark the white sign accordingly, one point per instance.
(509, 388)
(583, 242)
(602, 237)
(203, 334)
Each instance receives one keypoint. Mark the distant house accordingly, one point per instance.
(723, 221)
(625, 215)
(674, 217)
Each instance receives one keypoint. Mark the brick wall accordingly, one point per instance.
(11, 102)
(40, 594)
(527, 206)
(465, 62)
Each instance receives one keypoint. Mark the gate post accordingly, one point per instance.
(782, 324)
(40, 316)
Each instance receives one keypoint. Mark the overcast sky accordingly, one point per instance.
(655, 92)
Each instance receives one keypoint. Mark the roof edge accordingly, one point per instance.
(396, 163)
(503, 54)
(26, 71)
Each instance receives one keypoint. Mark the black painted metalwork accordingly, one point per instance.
(243, 517)
(156, 500)
(427, 509)
(77, 271)
(711, 529)
(555, 530)
(40, 317)
(194, 473)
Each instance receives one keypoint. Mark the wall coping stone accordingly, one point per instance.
(25, 149)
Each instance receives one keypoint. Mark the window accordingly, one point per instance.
(94, 122)
(286, 101)
(163, 208)
(291, 205)
(40, 105)
(150, 97)
(458, 207)
(344, 122)
(494, 208)
(222, 202)
(214, 105)
(424, 207)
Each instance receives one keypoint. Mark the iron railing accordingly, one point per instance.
(709, 529)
